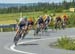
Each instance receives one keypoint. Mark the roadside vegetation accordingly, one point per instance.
(65, 43)
(10, 14)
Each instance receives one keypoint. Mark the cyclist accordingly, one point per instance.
(30, 23)
(40, 21)
(22, 26)
(58, 22)
(47, 22)
(39, 24)
(65, 19)
(58, 19)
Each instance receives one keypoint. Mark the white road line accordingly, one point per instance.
(12, 47)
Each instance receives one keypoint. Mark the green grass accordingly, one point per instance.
(8, 22)
(11, 17)
(65, 43)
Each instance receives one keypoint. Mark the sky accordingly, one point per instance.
(29, 1)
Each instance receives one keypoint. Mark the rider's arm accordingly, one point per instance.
(50, 20)
(26, 26)
(20, 20)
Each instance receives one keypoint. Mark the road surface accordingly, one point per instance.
(35, 45)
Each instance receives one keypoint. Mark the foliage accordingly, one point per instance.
(39, 7)
(71, 20)
(66, 43)
(58, 10)
(6, 29)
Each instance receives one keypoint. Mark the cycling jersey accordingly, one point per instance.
(58, 19)
(22, 22)
(30, 21)
(40, 20)
(47, 20)
(65, 18)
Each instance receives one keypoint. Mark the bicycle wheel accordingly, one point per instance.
(16, 38)
(24, 35)
(36, 31)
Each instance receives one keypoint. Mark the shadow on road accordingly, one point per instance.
(28, 44)
(32, 38)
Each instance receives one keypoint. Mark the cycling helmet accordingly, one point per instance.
(25, 17)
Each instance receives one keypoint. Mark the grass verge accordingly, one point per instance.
(65, 43)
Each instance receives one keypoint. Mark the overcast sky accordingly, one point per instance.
(29, 1)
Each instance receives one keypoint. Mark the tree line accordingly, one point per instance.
(54, 7)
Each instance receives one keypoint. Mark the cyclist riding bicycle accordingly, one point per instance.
(22, 28)
(40, 21)
(58, 22)
(58, 19)
(30, 23)
(22, 25)
(39, 25)
(47, 21)
(65, 19)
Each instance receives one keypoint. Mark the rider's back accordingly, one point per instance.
(65, 18)
(40, 20)
(58, 19)
(22, 21)
(30, 21)
(48, 19)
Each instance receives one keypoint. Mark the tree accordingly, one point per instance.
(65, 4)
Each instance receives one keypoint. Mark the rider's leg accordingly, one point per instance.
(18, 32)
(60, 24)
(30, 27)
(21, 29)
(46, 28)
(56, 25)
(17, 37)
(37, 29)
(24, 32)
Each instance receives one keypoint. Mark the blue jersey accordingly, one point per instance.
(40, 20)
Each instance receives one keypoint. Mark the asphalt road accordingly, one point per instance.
(34, 45)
